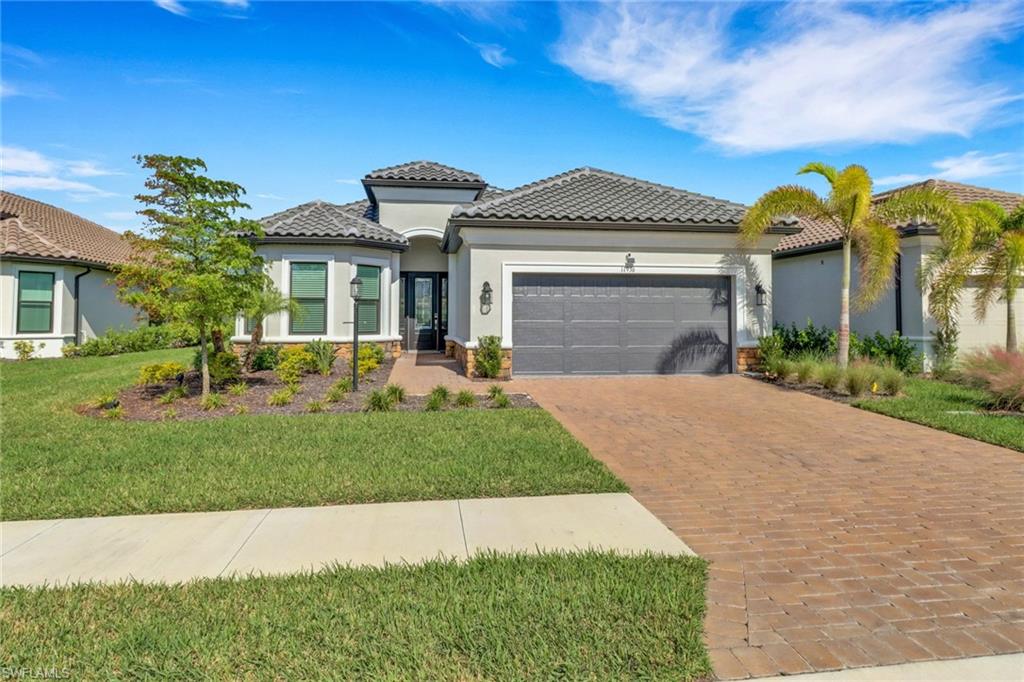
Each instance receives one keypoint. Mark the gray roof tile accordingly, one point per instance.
(424, 171)
(322, 220)
(592, 195)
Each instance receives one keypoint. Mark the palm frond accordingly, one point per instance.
(823, 169)
(955, 222)
(878, 245)
(1015, 221)
(942, 277)
(779, 203)
(851, 194)
(991, 279)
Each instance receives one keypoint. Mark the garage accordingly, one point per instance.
(621, 324)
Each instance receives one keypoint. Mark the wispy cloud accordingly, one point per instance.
(18, 160)
(271, 197)
(492, 53)
(818, 75)
(493, 12)
(27, 169)
(347, 181)
(54, 184)
(30, 90)
(22, 55)
(969, 166)
(172, 6)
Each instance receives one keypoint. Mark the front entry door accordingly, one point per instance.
(426, 309)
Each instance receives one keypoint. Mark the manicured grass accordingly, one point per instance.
(941, 406)
(583, 616)
(57, 463)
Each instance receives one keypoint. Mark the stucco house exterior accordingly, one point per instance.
(583, 272)
(54, 272)
(806, 273)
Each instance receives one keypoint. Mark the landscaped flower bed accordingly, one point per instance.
(824, 378)
(309, 379)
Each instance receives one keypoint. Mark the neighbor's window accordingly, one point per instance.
(250, 324)
(369, 303)
(35, 302)
(309, 290)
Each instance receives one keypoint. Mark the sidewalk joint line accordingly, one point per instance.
(244, 542)
(28, 540)
(462, 524)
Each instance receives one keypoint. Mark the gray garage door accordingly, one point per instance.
(620, 324)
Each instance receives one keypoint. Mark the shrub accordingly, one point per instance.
(895, 350)
(487, 362)
(241, 409)
(69, 350)
(435, 403)
(338, 390)
(105, 401)
(323, 355)
(502, 401)
(212, 402)
(266, 357)
(159, 372)
(494, 390)
(395, 392)
(806, 369)
(1001, 374)
(858, 379)
(294, 362)
(770, 350)
(442, 393)
(152, 337)
(281, 397)
(371, 356)
(169, 414)
(115, 413)
(945, 352)
(25, 349)
(785, 369)
(172, 395)
(830, 375)
(465, 399)
(239, 388)
(314, 406)
(818, 341)
(224, 367)
(379, 401)
(892, 380)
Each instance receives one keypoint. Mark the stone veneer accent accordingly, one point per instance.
(466, 358)
(341, 350)
(748, 359)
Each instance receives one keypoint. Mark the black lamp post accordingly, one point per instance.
(354, 287)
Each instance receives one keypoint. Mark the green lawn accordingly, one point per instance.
(584, 616)
(57, 463)
(952, 408)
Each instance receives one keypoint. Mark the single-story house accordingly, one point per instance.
(54, 272)
(806, 272)
(583, 272)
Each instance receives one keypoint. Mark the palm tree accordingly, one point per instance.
(858, 220)
(266, 302)
(988, 243)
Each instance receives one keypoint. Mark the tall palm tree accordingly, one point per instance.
(988, 243)
(859, 222)
(266, 302)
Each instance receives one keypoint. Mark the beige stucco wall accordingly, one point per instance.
(340, 260)
(424, 255)
(980, 334)
(99, 307)
(495, 254)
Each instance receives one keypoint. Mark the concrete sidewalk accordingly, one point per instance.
(180, 547)
(1006, 668)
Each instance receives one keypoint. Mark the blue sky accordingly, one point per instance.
(297, 101)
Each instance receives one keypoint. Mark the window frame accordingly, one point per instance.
(53, 301)
(298, 300)
(380, 287)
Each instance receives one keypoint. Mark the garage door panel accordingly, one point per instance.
(607, 324)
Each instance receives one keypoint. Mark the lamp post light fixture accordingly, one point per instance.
(761, 293)
(354, 286)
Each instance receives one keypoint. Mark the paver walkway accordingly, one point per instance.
(179, 547)
(839, 538)
(420, 372)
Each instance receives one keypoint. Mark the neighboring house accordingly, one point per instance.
(807, 268)
(54, 267)
(583, 272)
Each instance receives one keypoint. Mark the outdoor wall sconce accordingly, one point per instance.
(485, 298)
(761, 293)
(630, 263)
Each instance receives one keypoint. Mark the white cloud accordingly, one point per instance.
(89, 169)
(272, 197)
(53, 184)
(492, 53)
(347, 181)
(18, 160)
(22, 55)
(241, 4)
(818, 74)
(969, 166)
(26, 169)
(172, 6)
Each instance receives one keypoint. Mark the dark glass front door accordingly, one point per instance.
(426, 310)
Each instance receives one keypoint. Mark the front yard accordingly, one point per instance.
(58, 463)
(583, 616)
(954, 408)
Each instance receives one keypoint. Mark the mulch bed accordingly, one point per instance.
(141, 403)
(814, 389)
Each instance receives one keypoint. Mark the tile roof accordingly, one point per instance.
(592, 195)
(425, 171)
(33, 229)
(322, 220)
(820, 232)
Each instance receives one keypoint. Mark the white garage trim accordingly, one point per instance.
(736, 272)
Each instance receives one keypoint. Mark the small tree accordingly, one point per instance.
(858, 220)
(265, 302)
(195, 266)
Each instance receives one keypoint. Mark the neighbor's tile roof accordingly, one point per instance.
(320, 219)
(819, 232)
(592, 195)
(32, 229)
(424, 171)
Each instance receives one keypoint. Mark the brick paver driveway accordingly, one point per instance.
(837, 537)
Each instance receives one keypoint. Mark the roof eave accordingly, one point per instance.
(585, 224)
(79, 262)
(349, 241)
(369, 183)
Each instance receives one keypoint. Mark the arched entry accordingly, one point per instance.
(423, 297)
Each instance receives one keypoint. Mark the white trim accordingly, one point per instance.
(385, 292)
(742, 338)
(57, 320)
(286, 287)
(434, 232)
